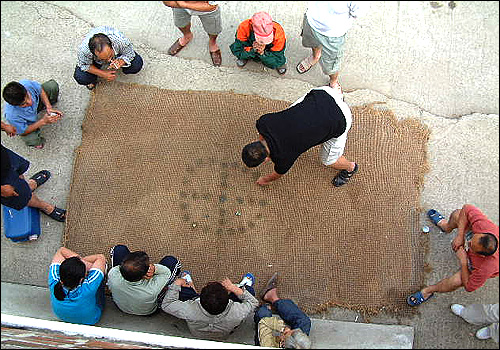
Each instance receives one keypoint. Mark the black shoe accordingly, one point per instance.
(343, 177)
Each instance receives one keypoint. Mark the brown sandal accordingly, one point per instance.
(175, 48)
(216, 58)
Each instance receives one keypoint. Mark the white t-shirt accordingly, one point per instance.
(334, 18)
(197, 13)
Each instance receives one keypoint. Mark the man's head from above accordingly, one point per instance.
(72, 272)
(135, 266)
(254, 154)
(100, 45)
(16, 94)
(262, 25)
(296, 339)
(214, 298)
(483, 243)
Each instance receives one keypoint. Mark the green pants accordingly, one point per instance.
(51, 88)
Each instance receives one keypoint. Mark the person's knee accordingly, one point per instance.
(135, 65)
(84, 78)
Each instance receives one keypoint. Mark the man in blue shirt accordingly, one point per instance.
(24, 100)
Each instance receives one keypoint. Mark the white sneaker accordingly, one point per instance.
(483, 333)
(457, 309)
(248, 280)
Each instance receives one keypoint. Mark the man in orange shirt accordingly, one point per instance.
(261, 39)
(476, 247)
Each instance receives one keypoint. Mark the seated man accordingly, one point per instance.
(319, 117)
(289, 330)
(216, 311)
(103, 51)
(476, 247)
(17, 193)
(24, 100)
(137, 286)
(261, 39)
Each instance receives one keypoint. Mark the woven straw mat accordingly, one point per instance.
(161, 171)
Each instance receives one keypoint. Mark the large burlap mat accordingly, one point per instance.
(161, 171)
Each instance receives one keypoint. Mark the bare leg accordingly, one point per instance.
(36, 202)
(187, 35)
(445, 285)
(316, 54)
(31, 183)
(343, 164)
(450, 224)
(212, 43)
(334, 79)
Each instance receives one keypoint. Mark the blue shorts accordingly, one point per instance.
(18, 166)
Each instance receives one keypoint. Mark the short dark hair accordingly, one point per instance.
(98, 42)
(71, 272)
(214, 298)
(14, 93)
(135, 266)
(254, 154)
(489, 244)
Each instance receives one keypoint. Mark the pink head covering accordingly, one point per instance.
(262, 24)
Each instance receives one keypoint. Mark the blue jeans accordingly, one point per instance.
(86, 78)
(289, 313)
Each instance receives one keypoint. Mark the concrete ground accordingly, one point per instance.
(409, 55)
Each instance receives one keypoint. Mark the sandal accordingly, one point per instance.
(271, 284)
(175, 48)
(90, 86)
(57, 214)
(41, 177)
(435, 217)
(305, 65)
(343, 177)
(216, 58)
(417, 298)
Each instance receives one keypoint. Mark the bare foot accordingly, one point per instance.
(185, 39)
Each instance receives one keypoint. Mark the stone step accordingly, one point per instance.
(33, 301)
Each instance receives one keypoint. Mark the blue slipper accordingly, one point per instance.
(435, 217)
(418, 298)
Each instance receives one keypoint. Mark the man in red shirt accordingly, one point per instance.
(476, 247)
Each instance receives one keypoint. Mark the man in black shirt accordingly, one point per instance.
(319, 117)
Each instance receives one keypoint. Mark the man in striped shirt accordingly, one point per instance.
(104, 51)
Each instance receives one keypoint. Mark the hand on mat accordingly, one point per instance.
(151, 272)
(109, 75)
(8, 191)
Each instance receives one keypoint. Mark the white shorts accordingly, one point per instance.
(332, 149)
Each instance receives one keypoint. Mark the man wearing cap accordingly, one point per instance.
(319, 117)
(324, 30)
(261, 39)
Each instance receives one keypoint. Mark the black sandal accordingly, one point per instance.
(343, 177)
(57, 214)
(41, 177)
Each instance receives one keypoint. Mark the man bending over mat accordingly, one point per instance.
(319, 117)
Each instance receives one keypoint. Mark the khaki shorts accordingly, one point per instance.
(332, 48)
(212, 23)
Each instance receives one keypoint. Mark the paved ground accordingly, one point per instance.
(405, 54)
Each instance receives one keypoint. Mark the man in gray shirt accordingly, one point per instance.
(216, 311)
(137, 286)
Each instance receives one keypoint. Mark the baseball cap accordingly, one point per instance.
(262, 24)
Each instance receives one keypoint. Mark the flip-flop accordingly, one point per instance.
(419, 298)
(272, 283)
(435, 217)
(57, 214)
(304, 65)
(216, 58)
(41, 177)
(175, 48)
